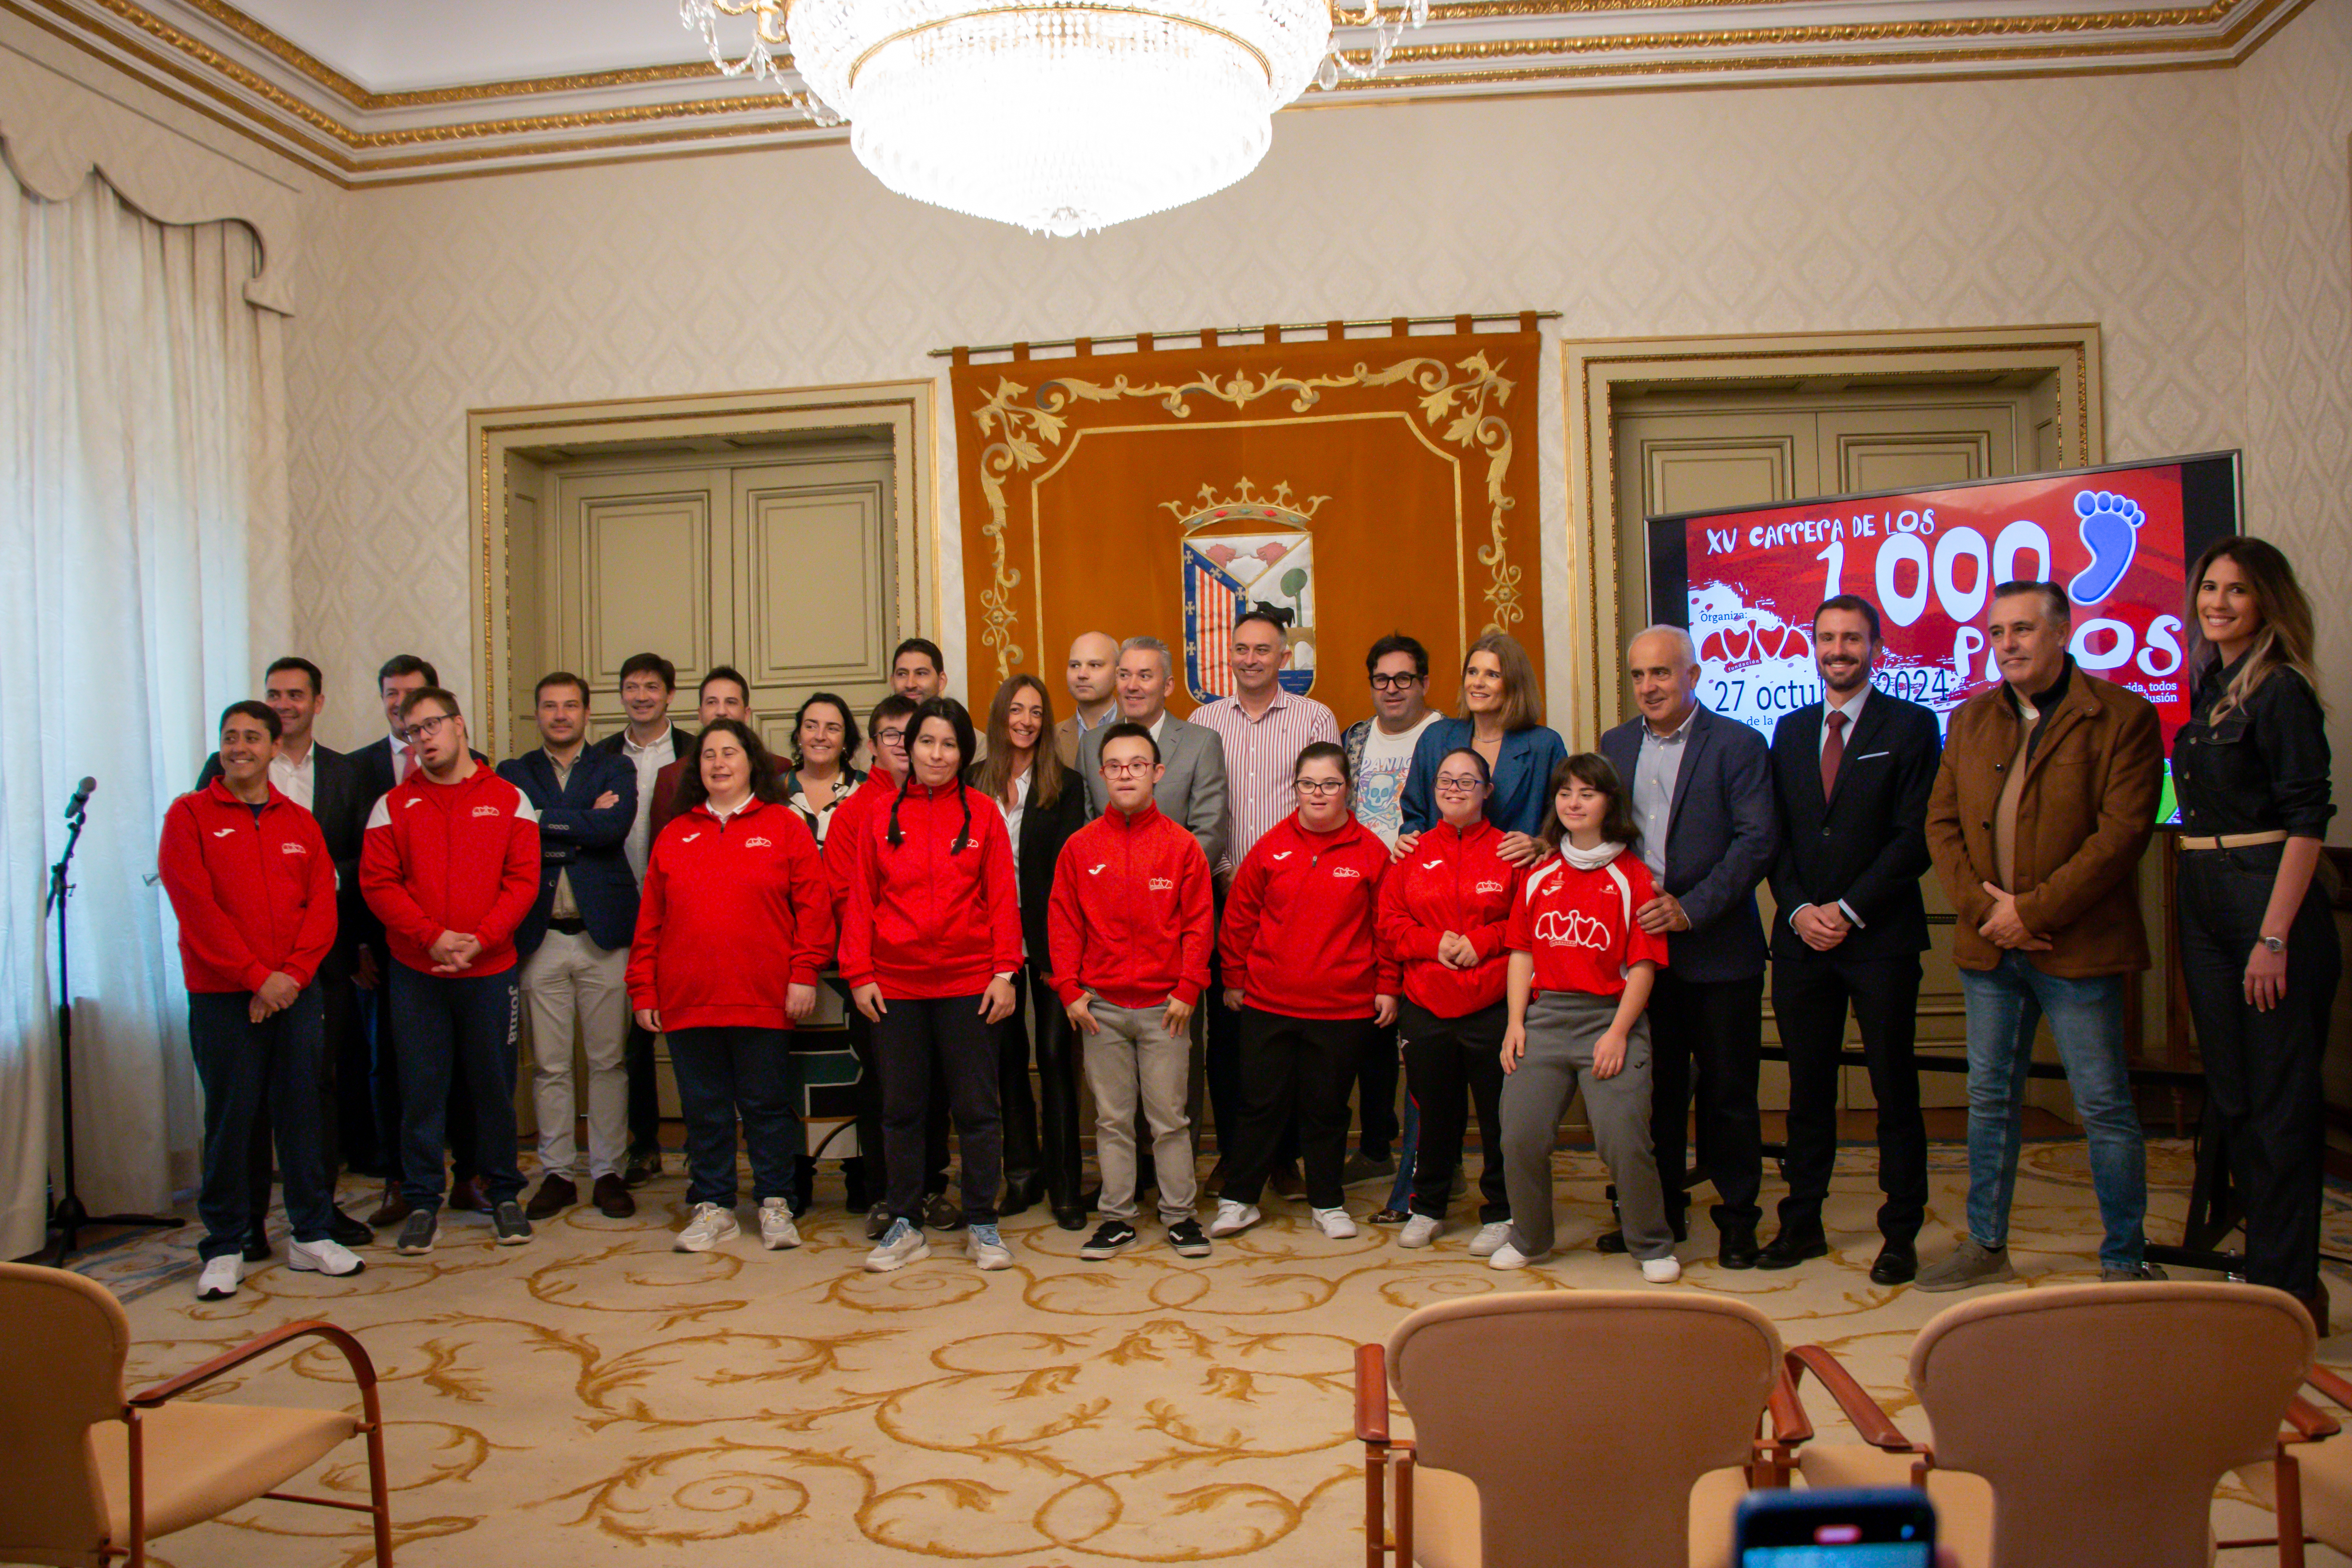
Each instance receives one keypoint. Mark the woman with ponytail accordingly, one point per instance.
(2258, 944)
(930, 941)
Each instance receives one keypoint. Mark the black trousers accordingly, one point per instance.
(644, 1090)
(457, 1029)
(346, 1124)
(1298, 1070)
(1376, 1090)
(1810, 993)
(384, 1072)
(1041, 1129)
(940, 1050)
(2262, 1090)
(244, 1067)
(1451, 1064)
(1707, 1036)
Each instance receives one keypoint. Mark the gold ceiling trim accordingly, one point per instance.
(215, 68)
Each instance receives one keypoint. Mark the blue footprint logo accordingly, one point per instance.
(2110, 531)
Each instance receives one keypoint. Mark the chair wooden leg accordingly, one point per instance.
(136, 1442)
(1404, 1509)
(379, 1489)
(1376, 1480)
(2288, 1473)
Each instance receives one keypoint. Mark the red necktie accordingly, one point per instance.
(408, 764)
(1833, 751)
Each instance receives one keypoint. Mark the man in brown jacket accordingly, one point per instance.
(2042, 805)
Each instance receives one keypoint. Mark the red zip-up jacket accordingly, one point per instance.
(1298, 937)
(461, 857)
(731, 914)
(921, 922)
(1133, 917)
(1452, 881)
(843, 836)
(253, 896)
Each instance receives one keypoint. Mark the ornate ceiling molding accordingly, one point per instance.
(215, 57)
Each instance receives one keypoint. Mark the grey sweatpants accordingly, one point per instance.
(1133, 1056)
(1562, 1029)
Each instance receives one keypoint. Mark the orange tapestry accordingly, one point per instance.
(1358, 486)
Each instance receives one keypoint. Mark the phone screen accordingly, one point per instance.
(1854, 1555)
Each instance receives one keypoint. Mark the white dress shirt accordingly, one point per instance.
(298, 782)
(648, 760)
(1851, 709)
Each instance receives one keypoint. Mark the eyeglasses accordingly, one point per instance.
(890, 737)
(1459, 784)
(1318, 786)
(1127, 770)
(1394, 682)
(425, 727)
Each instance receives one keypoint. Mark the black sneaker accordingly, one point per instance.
(507, 1222)
(257, 1248)
(1186, 1237)
(1107, 1239)
(878, 1222)
(416, 1232)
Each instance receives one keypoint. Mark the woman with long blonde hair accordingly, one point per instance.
(2258, 941)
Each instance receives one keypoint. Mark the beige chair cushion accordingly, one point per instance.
(1963, 1502)
(2326, 1489)
(203, 1460)
(1714, 1515)
(1445, 1518)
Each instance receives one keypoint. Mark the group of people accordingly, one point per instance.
(1457, 897)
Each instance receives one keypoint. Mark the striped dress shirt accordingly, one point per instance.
(1260, 755)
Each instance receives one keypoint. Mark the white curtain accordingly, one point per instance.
(142, 522)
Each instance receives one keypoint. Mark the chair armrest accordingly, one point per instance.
(1790, 1425)
(362, 1369)
(2310, 1423)
(2331, 1384)
(1873, 1425)
(1372, 1393)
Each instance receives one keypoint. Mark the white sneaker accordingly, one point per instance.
(1490, 1238)
(329, 1258)
(986, 1244)
(218, 1282)
(1661, 1270)
(776, 1227)
(1418, 1231)
(706, 1227)
(1509, 1256)
(1335, 1224)
(1233, 1218)
(901, 1245)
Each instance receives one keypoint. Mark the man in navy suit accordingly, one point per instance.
(575, 945)
(1851, 773)
(1701, 788)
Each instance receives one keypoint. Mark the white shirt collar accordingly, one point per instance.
(666, 738)
(1851, 707)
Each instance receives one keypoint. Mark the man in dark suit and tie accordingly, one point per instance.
(1701, 786)
(326, 784)
(1852, 773)
(575, 946)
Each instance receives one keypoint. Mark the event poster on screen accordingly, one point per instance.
(1928, 560)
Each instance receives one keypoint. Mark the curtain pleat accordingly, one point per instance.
(142, 538)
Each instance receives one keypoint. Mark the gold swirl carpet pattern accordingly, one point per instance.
(597, 1396)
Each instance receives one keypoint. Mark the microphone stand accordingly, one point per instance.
(67, 1217)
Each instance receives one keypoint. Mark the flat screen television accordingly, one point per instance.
(1746, 582)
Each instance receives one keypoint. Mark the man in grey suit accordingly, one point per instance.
(1193, 792)
(1701, 788)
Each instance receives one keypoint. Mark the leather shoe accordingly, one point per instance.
(1287, 1182)
(942, 1212)
(2317, 1305)
(1736, 1247)
(345, 1231)
(611, 1196)
(1789, 1248)
(1021, 1193)
(642, 1168)
(1897, 1264)
(390, 1212)
(555, 1194)
(257, 1248)
(1070, 1219)
(465, 1197)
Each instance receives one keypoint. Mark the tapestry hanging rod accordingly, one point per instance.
(1271, 331)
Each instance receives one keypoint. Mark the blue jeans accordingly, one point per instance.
(2087, 1018)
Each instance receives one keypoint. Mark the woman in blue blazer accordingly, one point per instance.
(1502, 721)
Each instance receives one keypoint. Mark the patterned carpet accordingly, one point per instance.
(596, 1391)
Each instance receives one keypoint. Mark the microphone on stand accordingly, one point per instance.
(81, 795)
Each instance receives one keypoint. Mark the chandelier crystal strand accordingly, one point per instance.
(1062, 116)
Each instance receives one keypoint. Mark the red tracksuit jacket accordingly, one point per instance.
(1452, 881)
(253, 897)
(1298, 934)
(842, 835)
(1133, 917)
(731, 914)
(1580, 925)
(921, 923)
(461, 857)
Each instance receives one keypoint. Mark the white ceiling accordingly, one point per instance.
(405, 45)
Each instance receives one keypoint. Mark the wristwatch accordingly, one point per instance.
(2276, 943)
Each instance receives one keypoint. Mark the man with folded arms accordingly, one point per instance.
(253, 886)
(1130, 926)
(451, 866)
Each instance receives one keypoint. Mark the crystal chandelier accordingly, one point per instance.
(1062, 116)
